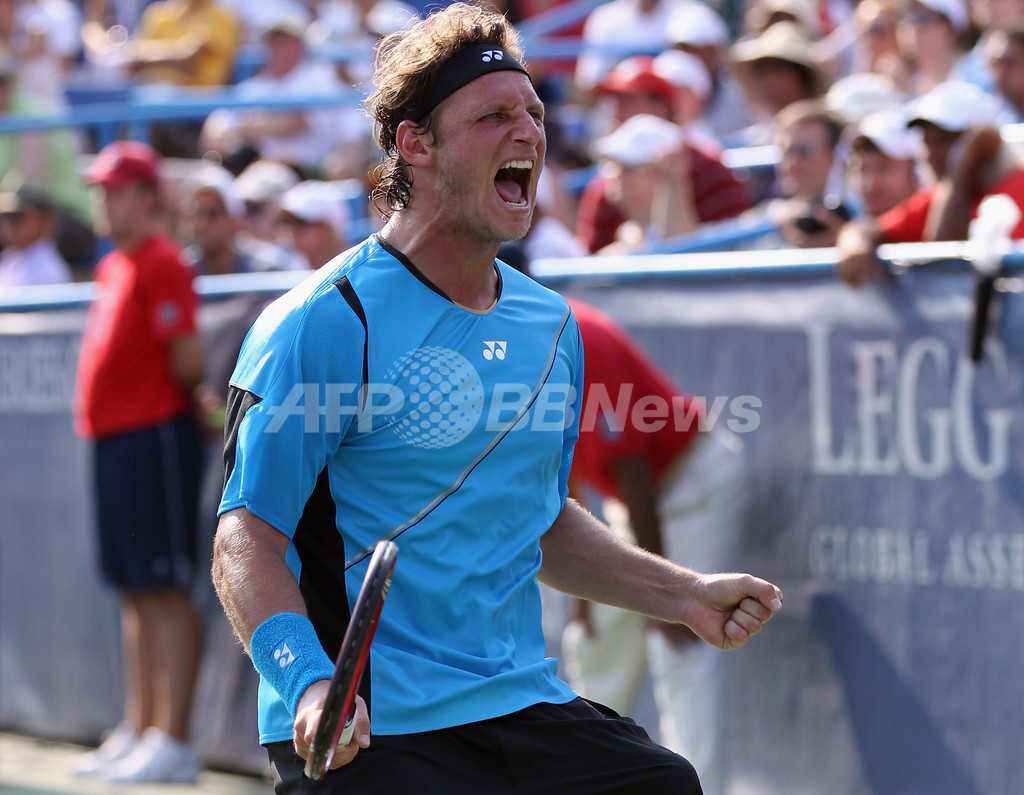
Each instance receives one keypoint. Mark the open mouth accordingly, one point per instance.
(512, 182)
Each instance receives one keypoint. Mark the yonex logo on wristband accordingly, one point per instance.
(284, 655)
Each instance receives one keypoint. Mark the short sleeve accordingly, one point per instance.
(171, 298)
(293, 397)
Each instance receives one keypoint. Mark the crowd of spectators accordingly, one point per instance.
(874, 108)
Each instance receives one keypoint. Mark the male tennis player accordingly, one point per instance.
(417, 389)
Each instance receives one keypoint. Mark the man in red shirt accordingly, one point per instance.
(969, 161)
(140, 360)
(675, 487)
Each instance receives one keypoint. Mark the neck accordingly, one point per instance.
(935, 67)
(221, 260)
(463, 270)
(130, 239)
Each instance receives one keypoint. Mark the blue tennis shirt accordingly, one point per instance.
(366, 405)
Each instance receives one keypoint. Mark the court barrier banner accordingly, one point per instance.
(886, 501)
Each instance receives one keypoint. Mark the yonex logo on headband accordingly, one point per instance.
(463, 68)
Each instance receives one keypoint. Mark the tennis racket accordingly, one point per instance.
(337, 721)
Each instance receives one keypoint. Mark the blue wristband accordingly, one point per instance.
(287, 652)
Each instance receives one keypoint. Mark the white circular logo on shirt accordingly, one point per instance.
(444, 397)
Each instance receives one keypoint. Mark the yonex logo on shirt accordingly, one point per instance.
(284, 655)
(495, 349)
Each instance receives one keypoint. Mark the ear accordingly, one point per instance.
(414, 144)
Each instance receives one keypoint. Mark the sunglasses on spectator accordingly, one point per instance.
(208, 213)
(801, 150)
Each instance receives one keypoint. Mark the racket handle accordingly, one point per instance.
(343, 739)
(347, 731)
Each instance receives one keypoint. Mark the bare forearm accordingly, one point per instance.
(950, 211)
(636, 488)
(188, 361)
(250, 574)
(584, 559)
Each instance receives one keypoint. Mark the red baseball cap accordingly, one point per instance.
(636, 75)
(122, 162)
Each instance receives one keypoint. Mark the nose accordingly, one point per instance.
(529, 129)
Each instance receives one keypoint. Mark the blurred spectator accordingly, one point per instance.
(1005, 50)
(29, 254)
(691, 84)
(299, 138)
(876, 48)
(140, 361)
(646, 164)
(809, 15)
(615, 28)
(988, 16)
(179, 42)
(261, 186)
(807, 209)
(776, 68)
(212, 216)
(881, 169)
(931, 38)
(634, 88)
(314, 219)
(353, 28)
(684, 493)
(698, 30)
(45, 39)
(106, 27)
(187, 43)
(969, 160)
(47, 158)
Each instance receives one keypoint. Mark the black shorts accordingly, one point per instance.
(579, 748)
(147, 495)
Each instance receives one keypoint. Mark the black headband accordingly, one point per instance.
(466, 66)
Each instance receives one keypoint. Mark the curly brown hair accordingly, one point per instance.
(406, 68)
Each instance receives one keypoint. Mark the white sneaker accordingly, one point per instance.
(118, 744)
(157, 757)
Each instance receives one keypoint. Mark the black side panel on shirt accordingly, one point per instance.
(348, 292)
(321, 549)
(239, 402)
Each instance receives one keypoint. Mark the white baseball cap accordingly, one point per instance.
(955, 106)
(682, 69)
(221, 182)
(263, 180)
(696, 25)
(640, 140)
(953, 10)
(315, 201)
(856, 95)
(887, 129)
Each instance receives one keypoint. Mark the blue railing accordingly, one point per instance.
(718, 265)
